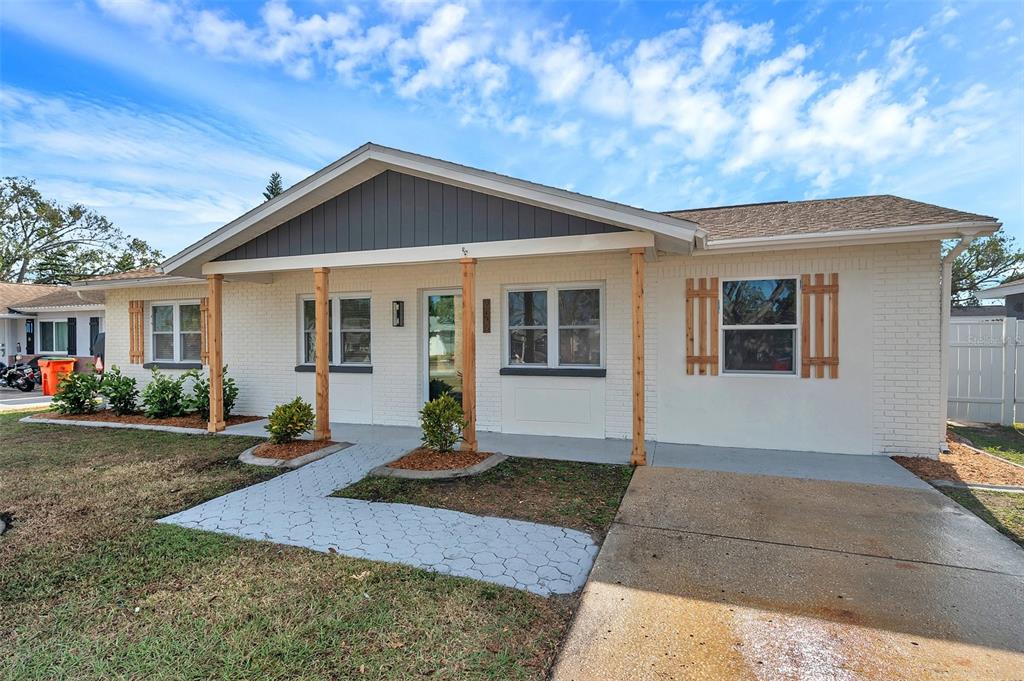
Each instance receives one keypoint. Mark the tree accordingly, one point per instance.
(987, 262)
(47, 243)
(274, 187)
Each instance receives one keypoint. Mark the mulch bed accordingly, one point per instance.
(290, 450)
(962, 464)
(423, 459)
(186, 421)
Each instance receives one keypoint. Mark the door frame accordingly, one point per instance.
(424, 341)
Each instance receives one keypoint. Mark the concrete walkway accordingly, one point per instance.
(295, 508)
(708, 574)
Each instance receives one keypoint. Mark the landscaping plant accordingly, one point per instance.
(199, 400)
(442, 421)
(164, 396)
(121, 391)
(290, 420)
(77, 393)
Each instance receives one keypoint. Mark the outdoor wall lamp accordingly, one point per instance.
(398, 313)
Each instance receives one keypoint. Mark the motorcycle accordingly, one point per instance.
(18, 375)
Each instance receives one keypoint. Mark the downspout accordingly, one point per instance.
(944, 320)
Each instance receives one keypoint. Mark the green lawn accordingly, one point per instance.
(1003, 441)
(1001, 510)
(91, 587)
(584, 496)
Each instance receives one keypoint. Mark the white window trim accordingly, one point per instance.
(333, 300)
(552, 323)
(39, 333)
(175, 333)
(722, 328)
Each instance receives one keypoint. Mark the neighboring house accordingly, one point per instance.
(812, 325)
(1011, 292)
(38, 319)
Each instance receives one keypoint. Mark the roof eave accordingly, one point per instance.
(858, 237)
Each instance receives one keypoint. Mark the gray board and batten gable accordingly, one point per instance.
(396, 210)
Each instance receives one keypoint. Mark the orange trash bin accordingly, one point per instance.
(53, 370)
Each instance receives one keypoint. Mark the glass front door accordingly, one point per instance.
(444, 345)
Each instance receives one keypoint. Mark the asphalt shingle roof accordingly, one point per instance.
(821, 215)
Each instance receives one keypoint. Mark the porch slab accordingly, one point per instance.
(296, 509)
(852, 468)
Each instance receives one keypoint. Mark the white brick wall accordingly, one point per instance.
(896, 292)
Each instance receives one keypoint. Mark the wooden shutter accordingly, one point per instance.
(702, 326)
(204, 351)
(136, 331)
(814, 294)
(72, 336)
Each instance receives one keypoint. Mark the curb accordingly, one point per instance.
(450, 474)
(181, 430)
(114, 424)
(949, 484)
(248, 457)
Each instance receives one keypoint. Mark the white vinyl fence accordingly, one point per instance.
(984, 354)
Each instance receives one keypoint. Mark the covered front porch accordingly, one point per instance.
(398, 368)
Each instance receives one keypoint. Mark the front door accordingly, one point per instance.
(443, 343)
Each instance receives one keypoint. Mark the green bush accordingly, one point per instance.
(121, 391)
(199, 400)
(77, 393)
(442, 421)
(163, 397)
(290, 420)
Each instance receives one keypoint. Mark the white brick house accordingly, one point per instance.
(556, 278)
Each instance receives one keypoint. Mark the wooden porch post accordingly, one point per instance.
(321, 285)
(469, 352)
(215, 350)
(639, 455)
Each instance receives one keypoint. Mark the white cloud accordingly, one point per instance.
(1005, 25)
(140, 166)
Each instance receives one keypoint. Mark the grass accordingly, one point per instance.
(582, 496)
(1001, 510)
(92, 587)
(1002, 441)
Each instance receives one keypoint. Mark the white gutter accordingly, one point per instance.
(851, 237)
(160, 280)
(945, 302)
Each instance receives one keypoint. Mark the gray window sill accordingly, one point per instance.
(336, 368)
(172, 365)
(548, 371)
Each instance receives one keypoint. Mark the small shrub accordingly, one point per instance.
(199, 400)
(442, 421)
(163, 396)
(121, 391)
(77, 393)
(290, 420)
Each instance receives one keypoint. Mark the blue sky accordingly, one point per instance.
(169, 115)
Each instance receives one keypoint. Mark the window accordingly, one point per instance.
(175, 331)
(352, 331)
(565, 318)
(53, 336)
(759, 325)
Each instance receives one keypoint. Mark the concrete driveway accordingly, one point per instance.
(730, 575)
(12, 400)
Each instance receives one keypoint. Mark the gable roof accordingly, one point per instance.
(1007, 288)
(12, 294)
(823, 216)
(671, 233)
(63, 298)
